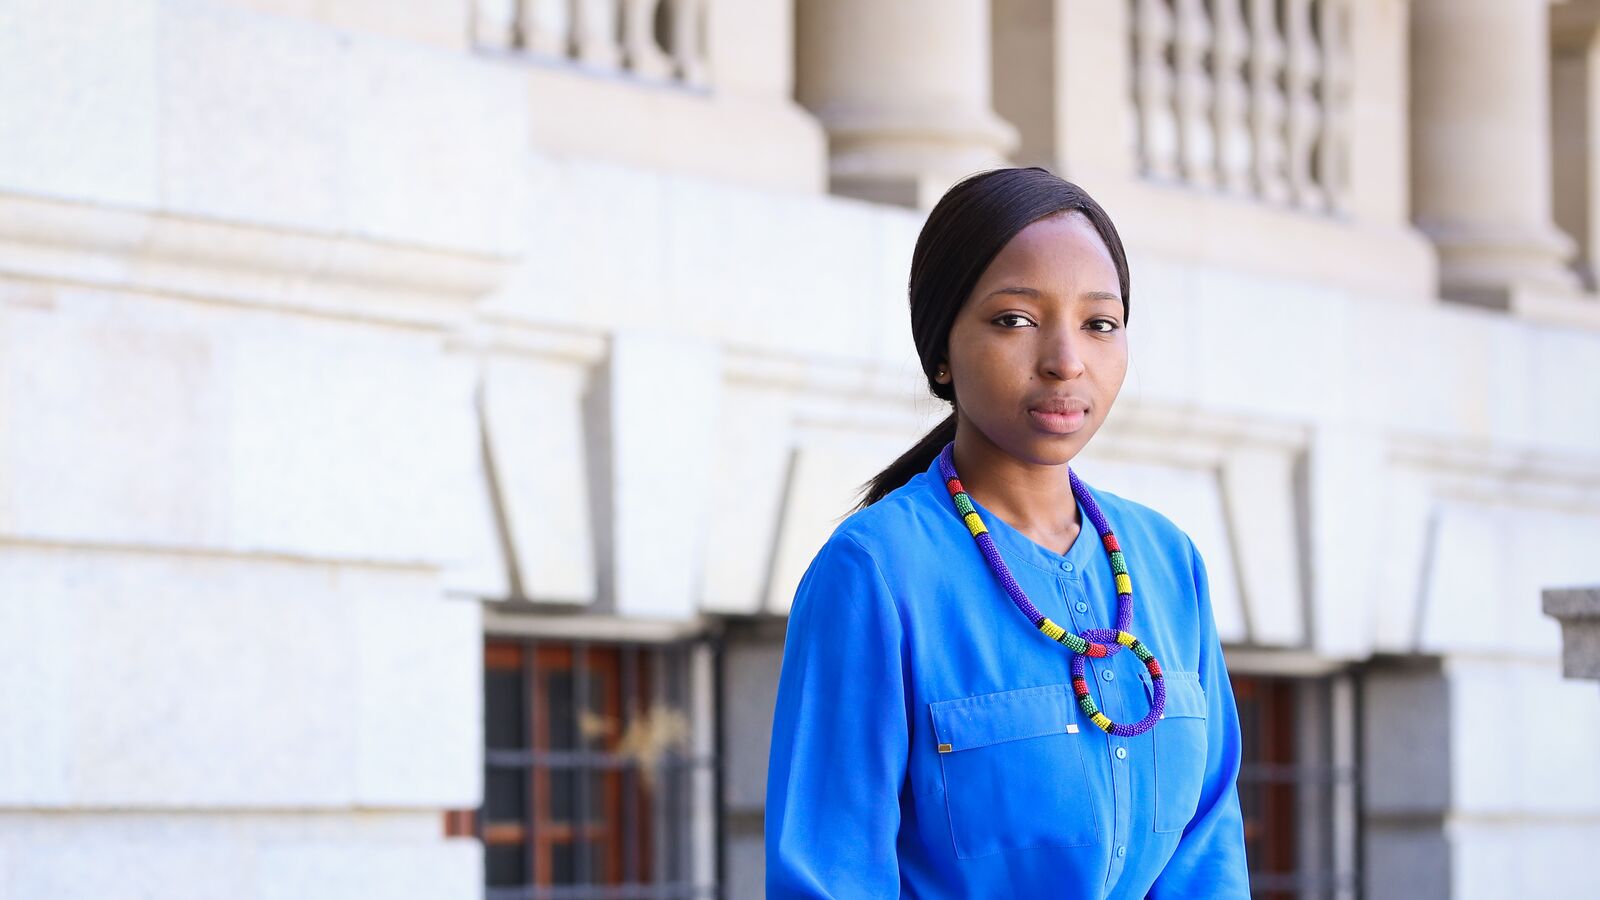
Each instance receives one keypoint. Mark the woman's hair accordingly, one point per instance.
(964, 231)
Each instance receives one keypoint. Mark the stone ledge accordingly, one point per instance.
(1578, 610)
(328, 274)
(1561, 310)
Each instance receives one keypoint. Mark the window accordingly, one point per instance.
(600, 775)
(1297, 785)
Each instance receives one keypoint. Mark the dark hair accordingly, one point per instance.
(964, 232)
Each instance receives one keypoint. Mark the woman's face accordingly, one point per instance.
(1038, 351)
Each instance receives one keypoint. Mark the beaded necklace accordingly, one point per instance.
(1096, 642)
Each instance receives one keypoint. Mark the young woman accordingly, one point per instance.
(999, 681)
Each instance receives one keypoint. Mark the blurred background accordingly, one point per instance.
(415, 416)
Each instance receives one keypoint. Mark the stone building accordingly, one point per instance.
(415, 415)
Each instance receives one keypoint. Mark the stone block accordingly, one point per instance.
(664, 395)
(200, 856)
(1478, 579)
(537, 427)
(1503, 774)
(81, 115)
(1406, 756)
(755, 434)
(252, 117)
(186, 681)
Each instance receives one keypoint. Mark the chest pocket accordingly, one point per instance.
(1180, 751)
(1013, 776)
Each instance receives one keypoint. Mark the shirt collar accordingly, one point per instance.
(1017, 547)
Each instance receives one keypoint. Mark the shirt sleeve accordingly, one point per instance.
(1210, 861)
(840, 734)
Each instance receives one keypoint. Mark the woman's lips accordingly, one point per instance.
(1058, 422)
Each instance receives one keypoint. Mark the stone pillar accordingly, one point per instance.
(903, 89)
(1480, 148)
(1575, 110)
(752, 659)
(1406, 782)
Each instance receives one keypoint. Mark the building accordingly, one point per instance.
(413, 406)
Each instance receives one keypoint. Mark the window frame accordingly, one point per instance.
(665, 845)
(1304, 779)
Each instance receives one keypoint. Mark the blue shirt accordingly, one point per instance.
(901, 640)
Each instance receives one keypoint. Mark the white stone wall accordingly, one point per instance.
(320, 325)
(231, 428)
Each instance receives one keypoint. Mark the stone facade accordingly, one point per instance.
(334, 336)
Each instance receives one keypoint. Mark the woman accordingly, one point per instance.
(935, 733)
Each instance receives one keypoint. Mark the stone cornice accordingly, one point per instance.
(1532, 476)
(338, 275)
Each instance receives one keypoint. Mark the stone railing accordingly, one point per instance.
(1578, 611)
(1249, 97)
(653, 40)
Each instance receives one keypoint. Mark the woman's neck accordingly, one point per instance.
(1034, 499)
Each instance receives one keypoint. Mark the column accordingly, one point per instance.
(903, 89)
(1480, 148)
(1575, 107)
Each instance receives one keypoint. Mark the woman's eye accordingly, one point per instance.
(1104, 326)
(1016, 316)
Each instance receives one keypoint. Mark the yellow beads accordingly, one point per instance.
(1051, 630)
(1125, 639)
(974, 524)
(1100, 721)
(1124, 584)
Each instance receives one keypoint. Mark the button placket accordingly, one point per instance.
(1110, 704)
(1111, 698)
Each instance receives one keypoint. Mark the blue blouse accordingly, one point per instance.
(900, 640)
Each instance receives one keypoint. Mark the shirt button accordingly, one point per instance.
(1108, 675)
(1081, 606)
(1122, 753)
(1066, 566)
(1122, 851)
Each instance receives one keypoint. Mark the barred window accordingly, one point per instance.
(1297, 785)
(600, 771)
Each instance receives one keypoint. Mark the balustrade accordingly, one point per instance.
(1244, 96)
(652, 40)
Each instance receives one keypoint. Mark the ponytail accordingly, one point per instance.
(915, 460)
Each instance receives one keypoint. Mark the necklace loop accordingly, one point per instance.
(1096, 642)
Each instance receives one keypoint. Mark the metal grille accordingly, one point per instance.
(600, 770)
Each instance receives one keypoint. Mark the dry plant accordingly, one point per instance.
(646, 740)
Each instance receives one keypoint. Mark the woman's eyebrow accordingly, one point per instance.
(1035, 293)
(1013, 289)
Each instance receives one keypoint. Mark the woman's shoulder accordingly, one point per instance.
(904, 521)
(1135, 522)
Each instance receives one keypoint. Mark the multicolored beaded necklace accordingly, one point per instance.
(1096, 642)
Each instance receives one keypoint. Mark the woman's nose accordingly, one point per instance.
(1060, 355)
